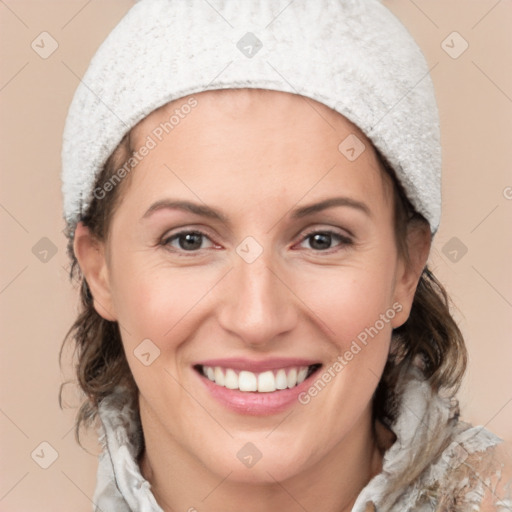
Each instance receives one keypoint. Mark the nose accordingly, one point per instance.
(258, 305)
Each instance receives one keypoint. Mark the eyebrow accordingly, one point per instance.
(330, 203)
(304, 211)
(198, 209)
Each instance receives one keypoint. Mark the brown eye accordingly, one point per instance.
(324, 240)
(189, 241)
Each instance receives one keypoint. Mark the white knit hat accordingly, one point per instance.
(351, 55)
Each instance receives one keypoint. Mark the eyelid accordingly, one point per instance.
(188, 228)
(329, 230)
(346, 240)
(165, 241)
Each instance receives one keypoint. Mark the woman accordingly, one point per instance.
(251, 195)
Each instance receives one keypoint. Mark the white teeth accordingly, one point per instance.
(231, 380)
(292, 378)
(219, 376)
(210, 373)
(301, 375)
(281, 380)
(264, 382)
(247, 381)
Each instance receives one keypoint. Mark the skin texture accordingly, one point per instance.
(255, 156)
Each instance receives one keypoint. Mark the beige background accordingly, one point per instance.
(38, 304)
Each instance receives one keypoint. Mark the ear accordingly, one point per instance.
(90, 253)
(408, 274)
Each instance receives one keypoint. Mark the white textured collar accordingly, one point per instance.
(424, 429)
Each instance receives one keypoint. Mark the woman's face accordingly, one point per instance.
(253, 246)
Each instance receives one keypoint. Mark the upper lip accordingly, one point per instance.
(257, 366)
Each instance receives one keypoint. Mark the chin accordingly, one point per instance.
(259, 460)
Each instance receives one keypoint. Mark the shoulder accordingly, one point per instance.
(475, 471)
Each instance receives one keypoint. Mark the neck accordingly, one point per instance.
(179, 481)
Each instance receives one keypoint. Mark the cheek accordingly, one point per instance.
(350, 300)
(156, 309)
(153, 302)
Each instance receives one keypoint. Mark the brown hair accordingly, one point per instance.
(430, 333)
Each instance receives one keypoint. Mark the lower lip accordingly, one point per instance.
(255, 404)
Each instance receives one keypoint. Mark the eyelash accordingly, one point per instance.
(344, 241)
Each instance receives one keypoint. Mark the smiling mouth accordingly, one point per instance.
(262, 382)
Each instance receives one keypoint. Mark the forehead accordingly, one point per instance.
(251, 104)
(257, 136)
